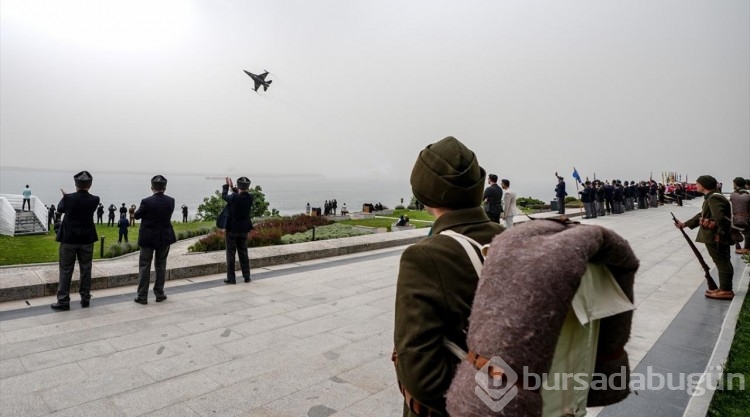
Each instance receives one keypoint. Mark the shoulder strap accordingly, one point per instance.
(477, 259)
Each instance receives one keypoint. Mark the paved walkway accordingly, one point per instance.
(310, 338)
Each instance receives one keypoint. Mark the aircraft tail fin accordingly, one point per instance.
(266, 85)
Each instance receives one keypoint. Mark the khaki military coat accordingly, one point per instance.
(434, 293)
(716, 207)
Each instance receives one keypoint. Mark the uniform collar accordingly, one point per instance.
(459, 217)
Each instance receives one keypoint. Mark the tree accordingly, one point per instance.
(211, 207)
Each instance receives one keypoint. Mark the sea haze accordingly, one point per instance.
(288, 194)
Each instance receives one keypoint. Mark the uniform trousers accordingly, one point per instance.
(144, 270)
(560, 205)
(237, 243)
(719, 252)
(68, 253)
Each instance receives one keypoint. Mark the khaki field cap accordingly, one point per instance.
(447, 174)
(82, 179)
(708, 182)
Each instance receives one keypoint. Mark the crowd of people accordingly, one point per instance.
(601, 198)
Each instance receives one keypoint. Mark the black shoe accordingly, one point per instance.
(58, 306)
(230, 281)
(247, 279)
(141, 300)
(160, 298)
(85, 303)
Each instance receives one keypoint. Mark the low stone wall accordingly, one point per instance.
(29, 281)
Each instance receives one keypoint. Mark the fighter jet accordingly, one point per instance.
(260, 80)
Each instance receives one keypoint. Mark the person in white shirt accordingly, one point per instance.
(509, 204)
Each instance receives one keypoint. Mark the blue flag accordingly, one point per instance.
(576, 176)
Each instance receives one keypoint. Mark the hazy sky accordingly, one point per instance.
(616, 88)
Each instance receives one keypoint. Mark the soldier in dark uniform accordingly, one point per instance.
(77, 234)
(436, 280)
(609, 191)
(154, 237)
(493, 199)
(714, 233)
(560, 194)
(587, 198)
(600, 199)
(239, 224)
(618, 196)
(184, 213)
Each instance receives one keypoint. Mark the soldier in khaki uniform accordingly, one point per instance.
(436, 279)
(714, 232)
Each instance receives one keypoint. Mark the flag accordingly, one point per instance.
(576, 176)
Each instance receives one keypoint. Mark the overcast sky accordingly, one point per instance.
(616, 88)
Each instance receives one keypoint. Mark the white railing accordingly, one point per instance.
(13, 202)
(40, 211)
(7, 217)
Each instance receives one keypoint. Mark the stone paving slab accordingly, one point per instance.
(312, 338)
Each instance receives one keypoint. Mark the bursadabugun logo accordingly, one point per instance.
(496, 384)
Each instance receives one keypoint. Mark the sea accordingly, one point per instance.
(289, 194)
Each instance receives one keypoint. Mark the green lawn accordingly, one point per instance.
(387, 221)
(30, 249)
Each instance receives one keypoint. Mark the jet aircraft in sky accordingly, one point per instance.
(260, 80)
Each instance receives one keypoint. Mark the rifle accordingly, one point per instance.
(709, 280)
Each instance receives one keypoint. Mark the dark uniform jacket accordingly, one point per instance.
(560, 190)
(239, 206)
(78, 224)
(494, 196)
(715, 207)
(156, 224)
(434, 293)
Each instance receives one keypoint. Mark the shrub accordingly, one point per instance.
(212, 205)
(399, 207)
(121, 249)
(265, 233)
(333, 231)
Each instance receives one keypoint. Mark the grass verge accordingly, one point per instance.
(736, 402)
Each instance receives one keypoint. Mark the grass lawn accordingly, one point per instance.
(388, 220)
(736, 402)
(17, 250)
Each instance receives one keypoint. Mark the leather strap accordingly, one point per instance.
(480, 361)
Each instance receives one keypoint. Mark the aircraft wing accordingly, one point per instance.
(263, 76)
(257, 84)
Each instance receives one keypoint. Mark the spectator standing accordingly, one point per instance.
(99, 213)
(435, 286)
(184, 213)
(111, 219)
(26, 198)
(509, 204)
(122, 226)
(131, 215)
(50, 216)
(239, 224)
(155, 236)
(493, 199)
(76, 234)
